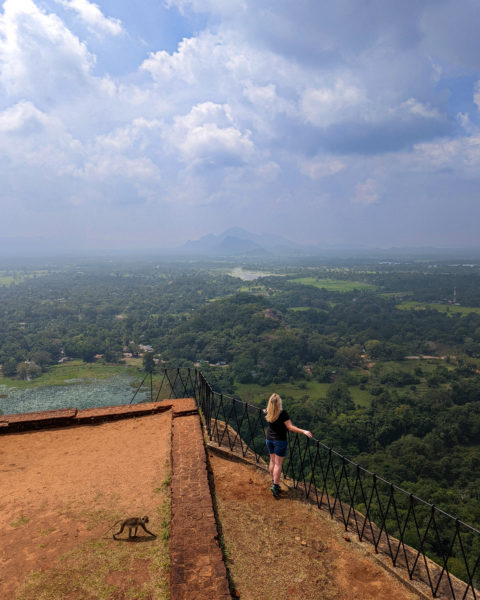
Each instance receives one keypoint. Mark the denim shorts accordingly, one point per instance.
(278, 447)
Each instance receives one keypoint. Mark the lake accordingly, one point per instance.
(248, 275)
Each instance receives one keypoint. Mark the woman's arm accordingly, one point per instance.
(289, 425)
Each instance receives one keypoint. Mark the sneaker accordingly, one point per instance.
(274, 490)
(277, 487)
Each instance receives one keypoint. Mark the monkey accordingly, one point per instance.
(133, 523)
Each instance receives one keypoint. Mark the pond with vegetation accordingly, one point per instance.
(79, 393)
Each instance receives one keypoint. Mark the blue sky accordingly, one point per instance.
(144, 124)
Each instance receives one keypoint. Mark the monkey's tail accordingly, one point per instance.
(110, 528)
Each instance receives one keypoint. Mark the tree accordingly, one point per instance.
(110, 356)
(339, 398)
(22, 371)
(28, 370)
(348, 356)
(9, 368)
(42, 358)
(34, 370)
(242, 369)
(372, 348)
(87, 350)
(148, 362)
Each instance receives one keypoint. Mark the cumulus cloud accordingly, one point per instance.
(39, 56)
(23, 117)
(222, 7)
(30, 137)
(93, 17)
(208, 135)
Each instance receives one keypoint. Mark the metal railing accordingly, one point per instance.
(170, 383)
(430, 544)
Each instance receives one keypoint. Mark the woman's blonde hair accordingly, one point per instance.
(274, 408)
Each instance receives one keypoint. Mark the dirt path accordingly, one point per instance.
(287, 549)
(61, 489)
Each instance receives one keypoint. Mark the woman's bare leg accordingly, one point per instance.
(277, 469)
(271, 465)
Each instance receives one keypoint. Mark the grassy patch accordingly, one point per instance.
(71, 372)
(448, 309)
(309, 308)
(335, 285)
(14, 277)
(22, 520)
(7, 280)
(103, 568)
(362, 398)
(395, 294)
(258, 394)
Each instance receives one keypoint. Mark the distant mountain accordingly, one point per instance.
(238, 242)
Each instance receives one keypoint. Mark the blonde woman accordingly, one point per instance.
(278, 422)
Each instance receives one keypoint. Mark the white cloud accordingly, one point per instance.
(21, 117)
(186, 63)
(413, 107)
(222, 7)
(462, 154)
(39, 56)
(30, 137)
(476, 95)
(106, 166)
(93, 17)
(208, 135)
(323, 106)
(266, 99)
(140, 134)
(366, 193)
(321, 166)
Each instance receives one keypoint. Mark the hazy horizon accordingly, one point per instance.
(345, 125)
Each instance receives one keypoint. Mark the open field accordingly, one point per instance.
(254, 393)
(258, 394)
(448, 309)
(308, 308)
(395, 294)
(61, 492)
(335, 285)
(9, 277)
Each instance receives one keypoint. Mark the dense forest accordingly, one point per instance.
(379, 359)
